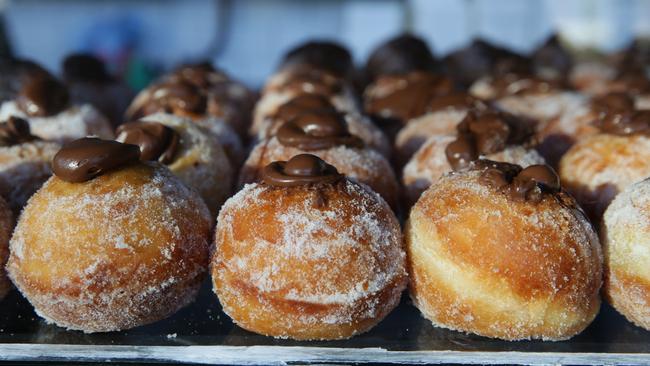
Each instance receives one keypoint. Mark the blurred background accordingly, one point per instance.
(139, 39)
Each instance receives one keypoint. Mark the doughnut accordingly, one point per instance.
(443, 114)
(400, 55)
(499, 86)
(187, 150)
(89, 82)
(45, 103)
(481, 58)
(324, 55)
(572, 121)
(24, 162)
(358, 124)
(503, 252)
(325, 135)
(598, 167)
(551, 60)
(624, 234)
(481, 134)
(109, 243)
(307, 254)
(293, 81)
(6, 227)
(393, 100)
(185, 99)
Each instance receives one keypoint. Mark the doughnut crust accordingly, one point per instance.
(625, 235)
(597, 168)
(200, 161)
(308, 263)
(363, 165)
(483, 263)
(125, 249)
(23, 170)
(6, 226)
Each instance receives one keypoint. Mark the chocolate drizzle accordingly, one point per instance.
(317, 131)
(522, 84)
(625, 123)
(301, 169)
(528, 184)
(304, 80)
(455, 100)
(614, 103)
(302, 103)
(409, 95)
(84, 159)
(484, 133)
(172, 97)
(156, 141)
(15, 131)
(42, 96)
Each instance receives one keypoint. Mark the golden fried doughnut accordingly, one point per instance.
(503, 256)
(625, 234)
(122, 249)
(308, 254)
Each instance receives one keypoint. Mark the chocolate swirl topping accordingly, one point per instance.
(528, 184)
(524, 84)
(300, 170)
(202, 75)
(42, 96)
(483, 133)
(172, 97)
(625, 123)
(614, 103)
(84, 159)
(455, 100)
(156, 141)
(301, 104)
(302, 80)
(410, 96)
(317, 131)
(15, 131)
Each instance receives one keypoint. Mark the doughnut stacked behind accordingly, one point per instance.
(625, 235)
(502, 252)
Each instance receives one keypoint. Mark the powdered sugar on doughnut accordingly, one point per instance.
(71, 124)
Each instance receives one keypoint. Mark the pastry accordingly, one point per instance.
(482, 134)
(624, 234)
(600, 166)
(25, 162)
(45, 103)
(400, 55)
(324, 55)
(89, 82)
(126, 243)
(307, 254)
(503, 252)
(325, 135)
(188, 150)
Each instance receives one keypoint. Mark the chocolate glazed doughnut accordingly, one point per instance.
(329, 250)
(326, 135)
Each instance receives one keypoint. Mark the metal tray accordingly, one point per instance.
(202, 333)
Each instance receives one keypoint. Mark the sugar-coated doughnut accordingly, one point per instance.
(196, 158)
(625, 234)
(109, 243)
(325, 135)
(481, 134)
(6, 227)
(502, 252)
(597, 168)
(24, 162)
(307, 254)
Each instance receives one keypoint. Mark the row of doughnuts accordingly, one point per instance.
(310, 247)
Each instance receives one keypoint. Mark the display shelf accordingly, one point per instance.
(202, 333)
